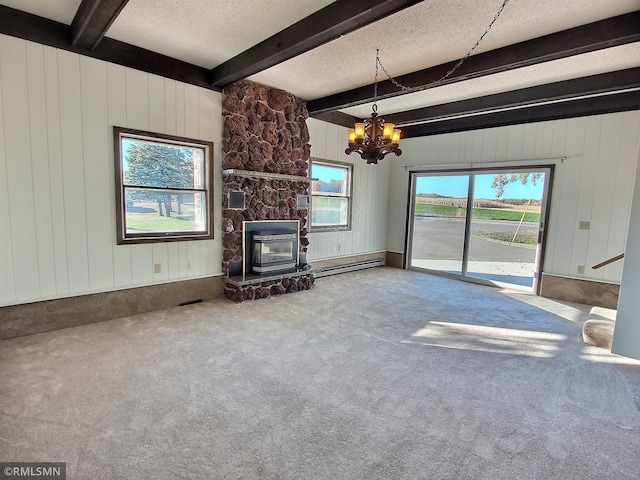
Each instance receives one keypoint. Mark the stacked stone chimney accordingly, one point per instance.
(266, 162)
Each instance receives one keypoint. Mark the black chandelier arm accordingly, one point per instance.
(371, 153)
(385, 151)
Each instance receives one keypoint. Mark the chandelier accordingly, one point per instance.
(373, 138)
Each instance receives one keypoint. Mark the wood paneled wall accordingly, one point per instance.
(57, 199)
(369, 199)
(594, 183)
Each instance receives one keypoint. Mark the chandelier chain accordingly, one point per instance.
(450, 72)
(375, 83)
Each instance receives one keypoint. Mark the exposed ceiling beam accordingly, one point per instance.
(597, 94)
(620, 102)
(331, 22)
(337, 118)
(17, 23)
(551, 92)
(92, 20)
(607, 33)
(580, 91)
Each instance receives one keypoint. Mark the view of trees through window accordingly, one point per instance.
(164, 188)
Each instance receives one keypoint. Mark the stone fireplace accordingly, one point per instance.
(265, 180)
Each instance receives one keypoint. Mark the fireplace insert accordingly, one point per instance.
(274, 251)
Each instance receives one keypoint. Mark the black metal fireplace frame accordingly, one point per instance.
(269, 227)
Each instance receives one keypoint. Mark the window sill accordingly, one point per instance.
(329, 229)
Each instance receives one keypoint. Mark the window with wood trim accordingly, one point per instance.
(163, 187)
(330, 195)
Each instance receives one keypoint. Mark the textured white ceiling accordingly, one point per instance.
(61, 11)
(205, 32)
(209, 32)
(429, 33)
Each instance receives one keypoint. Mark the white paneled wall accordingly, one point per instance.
(57, 199)
(594, 183)
(369, 200)
(626, 339)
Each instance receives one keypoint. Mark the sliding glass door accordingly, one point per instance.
(440, 209)
(497, 240)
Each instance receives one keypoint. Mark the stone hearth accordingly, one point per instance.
(265, 177)
(240, 289)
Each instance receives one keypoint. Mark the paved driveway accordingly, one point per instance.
(437, 244)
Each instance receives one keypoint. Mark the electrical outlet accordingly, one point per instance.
(580, 268)
(157, 267)
(584, 225)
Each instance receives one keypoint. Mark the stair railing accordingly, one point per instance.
(608, 261)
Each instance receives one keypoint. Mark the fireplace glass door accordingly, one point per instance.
(274, 252)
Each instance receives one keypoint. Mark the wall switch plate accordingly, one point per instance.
(580, 268)
(584, 225)
(157, 267)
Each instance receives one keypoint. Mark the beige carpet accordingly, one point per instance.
(378, 374)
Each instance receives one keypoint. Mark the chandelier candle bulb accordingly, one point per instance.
(352, 136)
(388, 131)
(395, 139)
(359, 131)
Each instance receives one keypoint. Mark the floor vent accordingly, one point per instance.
(324, 272)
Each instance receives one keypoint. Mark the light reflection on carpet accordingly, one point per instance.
(488, 339)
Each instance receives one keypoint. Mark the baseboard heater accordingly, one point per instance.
(350, 267)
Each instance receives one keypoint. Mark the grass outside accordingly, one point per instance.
(144, 222)
(491, 213)
(522, 239)
(152, 222)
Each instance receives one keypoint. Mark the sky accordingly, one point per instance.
(326, 173)
(456, 186)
